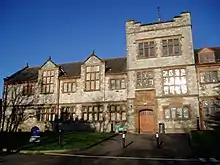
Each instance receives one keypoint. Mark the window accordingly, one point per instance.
(209, 77)
(28, 89)
(144, 79)
(174, 81)
(171, 47)
(92, 78)
(18, 113)
(210, 106)
(146, 49)
(48, 82)
(46, 114)
(68, 113)
(176, 113)
(93, 113)
(69, 87)
(207, 57)
(117, 113)
(117, 84)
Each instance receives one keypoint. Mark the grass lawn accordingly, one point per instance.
(16, 140)
(74, 140)
(206, 143)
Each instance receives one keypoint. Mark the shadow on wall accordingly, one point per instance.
(72, 126)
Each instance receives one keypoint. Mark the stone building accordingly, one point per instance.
(156, 83)
(208, 76)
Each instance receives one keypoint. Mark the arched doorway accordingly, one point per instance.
(146, 121)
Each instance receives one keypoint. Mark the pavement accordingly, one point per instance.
(140, 150)
(173, 146)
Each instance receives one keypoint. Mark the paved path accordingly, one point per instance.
(140, 150)
(174, 146)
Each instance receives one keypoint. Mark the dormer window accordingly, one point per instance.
(206, 58)
(48, 82)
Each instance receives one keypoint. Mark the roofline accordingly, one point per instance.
(81, 62)
(6, 78)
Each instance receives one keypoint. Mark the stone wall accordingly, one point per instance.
(208, 89)
(180, 26)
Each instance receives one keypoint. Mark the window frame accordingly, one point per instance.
(149, 49)
(45, 85)
(176, 118)
(206, 57)
(116, 112)
(95, 78)
(174, 84)
(45, 114)
(208, 107)
(142, 79)
(115, 82)
(67, 83)
(89, 110)
(28, 89)
(166, 47)
(70, 110)
(210, 74)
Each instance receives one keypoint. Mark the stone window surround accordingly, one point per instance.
(46, 113)
(160, 45)
(50, 84)
(72, 84)
(115, 80)
(210, 109)
(176, 107)
(117, 113)
(70, 111)
(211, 76)
(91, 114)
(186, 75)
(148, 71)
(18, 113)
(143, 42)
(173, 46)
(95, 80)
(28, 88)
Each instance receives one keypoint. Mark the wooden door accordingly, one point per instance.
(146, 108)
(146, 119)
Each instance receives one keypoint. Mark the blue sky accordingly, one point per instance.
(68, 30)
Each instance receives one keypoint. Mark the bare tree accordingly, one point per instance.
(15, 105)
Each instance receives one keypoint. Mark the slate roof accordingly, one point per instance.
(216, 49)
(113, 66)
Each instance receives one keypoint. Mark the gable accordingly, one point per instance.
(49, 65)
(92, 60)
(205, 51)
